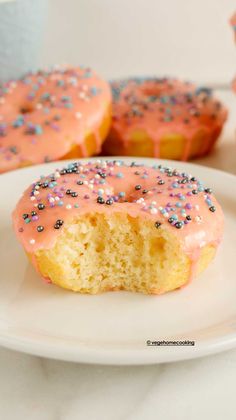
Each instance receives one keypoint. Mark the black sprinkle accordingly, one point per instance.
(138, 187)
(40, 228)
(188, 217)
(80, 182)
(100, 200)
(109, 201)
(74, 194)
(157, 224)
(25, 216)
(68, 192)
(102, 174)
(212, 208)
(178, 225)
(195, 191)
(41, 206)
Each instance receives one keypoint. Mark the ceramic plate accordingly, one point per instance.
(113, 328)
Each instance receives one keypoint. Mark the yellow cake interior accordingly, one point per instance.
(171, 146)
(99, 252)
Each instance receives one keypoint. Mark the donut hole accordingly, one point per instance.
(152, 88)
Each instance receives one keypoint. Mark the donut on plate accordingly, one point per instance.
(163, 118)
(104, 225)
(51, 115)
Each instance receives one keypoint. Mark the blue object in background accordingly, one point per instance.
(21, 31)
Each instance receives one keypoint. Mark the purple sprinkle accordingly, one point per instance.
(188, 206)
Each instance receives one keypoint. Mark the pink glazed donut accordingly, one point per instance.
(163, 117)
(105, 225)
(51, 115)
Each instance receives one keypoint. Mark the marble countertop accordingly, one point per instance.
(41, 389)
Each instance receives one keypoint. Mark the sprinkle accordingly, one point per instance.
(157, 225)
(32, 241)
(153, 211)
(178, 225)
(41, 206)
(68, 206)
(100, 200)
(212, 209)
(121, 194)
(40, 228)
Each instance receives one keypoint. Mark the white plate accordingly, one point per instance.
(113, 328)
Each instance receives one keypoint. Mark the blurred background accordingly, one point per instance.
(187, 38)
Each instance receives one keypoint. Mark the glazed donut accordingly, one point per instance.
(163, 118)
(51, 115)
(99, 226)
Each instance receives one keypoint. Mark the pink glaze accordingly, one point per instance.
(155, 200)
(44, 115)
(162, 107)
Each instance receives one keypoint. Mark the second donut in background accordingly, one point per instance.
(50, 115)
(162, 117)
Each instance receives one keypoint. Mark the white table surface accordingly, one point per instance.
(41, 389)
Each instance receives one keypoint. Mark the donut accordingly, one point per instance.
(106, 225)
(163, 118)
(51, 115)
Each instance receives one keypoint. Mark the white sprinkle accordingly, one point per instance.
(78, 115)
(36, 187)
(90, 186)
(166, 214)
(153, 211)
(36, 192)
(198, 218)
(57, 198)
(32, 241)
(197, 207)
(82, 95)
(68, 206)
(153, 203)
(32, 198)
(51, 200)
(57, 174)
